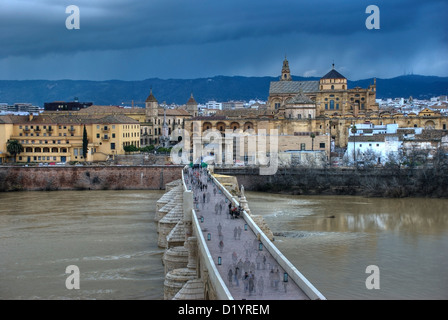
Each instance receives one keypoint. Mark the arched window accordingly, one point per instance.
(332, 87)
(331, 104)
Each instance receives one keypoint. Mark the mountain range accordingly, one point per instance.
(218, 88)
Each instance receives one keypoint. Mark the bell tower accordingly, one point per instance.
(286, 73)
(151, 107)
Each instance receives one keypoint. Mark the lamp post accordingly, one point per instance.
(209, 236)
(219, 261)
(312, 135)
(285, 277)
(260, 246)
(354, 130)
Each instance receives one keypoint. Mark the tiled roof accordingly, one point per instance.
(191, 101)
(174, 112)
(293, 86)
(151, 97)
(333, 74)
(299, 98)
(110, 110)
(71, 119)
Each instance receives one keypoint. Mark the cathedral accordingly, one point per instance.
(320, 108)
(330, 95)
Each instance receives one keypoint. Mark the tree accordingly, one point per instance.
(131, 148)
(312, 135)
(14, 148)
(85, 143)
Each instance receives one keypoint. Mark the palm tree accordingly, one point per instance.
(354, 130)
(14, 148)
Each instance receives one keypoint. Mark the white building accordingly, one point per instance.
(213, 105)
(378, 144)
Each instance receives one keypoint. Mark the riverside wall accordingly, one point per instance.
(87, 177)
(423, 182)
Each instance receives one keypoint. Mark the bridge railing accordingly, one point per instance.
(221, 290)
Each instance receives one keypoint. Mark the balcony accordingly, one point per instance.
(26, 130)
(105, 137)
(37, 129)
(71, 129)
(49, 129)
(105, 129)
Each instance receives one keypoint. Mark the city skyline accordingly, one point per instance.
(136, 40)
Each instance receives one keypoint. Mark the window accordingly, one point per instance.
(302, 146)
(113, 135)
(112, 146)
(98, 135)
(322, 145)
(326, 106)
(331, 104)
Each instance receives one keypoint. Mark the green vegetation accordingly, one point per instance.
(14, 148)
(85, 143)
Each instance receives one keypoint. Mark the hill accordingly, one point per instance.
(219, 88)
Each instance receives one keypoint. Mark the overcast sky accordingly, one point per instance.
(186, 39)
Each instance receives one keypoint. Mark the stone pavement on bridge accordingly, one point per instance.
(258, 275)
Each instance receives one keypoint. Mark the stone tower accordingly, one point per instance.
(286, 74)
(151, 107)
(192, 106)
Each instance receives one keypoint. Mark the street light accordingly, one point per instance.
(219, 261)
(202, 219)
(285, 277)
(245, 227)
(260, 246)
(209, 237)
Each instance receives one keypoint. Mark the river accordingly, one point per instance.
(111, 237)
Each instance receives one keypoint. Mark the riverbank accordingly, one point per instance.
(388, 183)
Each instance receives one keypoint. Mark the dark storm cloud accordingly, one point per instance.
(248, 31)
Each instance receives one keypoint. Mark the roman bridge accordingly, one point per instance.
(209, 255)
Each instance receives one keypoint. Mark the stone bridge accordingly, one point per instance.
(211, 254)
